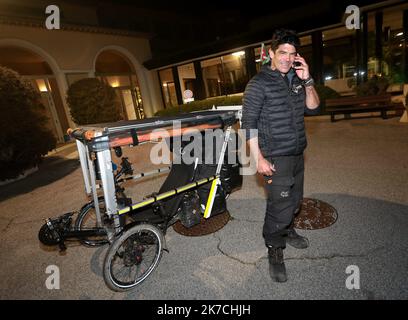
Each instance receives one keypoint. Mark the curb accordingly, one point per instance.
(61, 148)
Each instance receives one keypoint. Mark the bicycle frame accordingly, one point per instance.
(182, 197)
(99, 139)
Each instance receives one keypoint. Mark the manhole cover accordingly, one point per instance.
(315, 214)
(206, 226)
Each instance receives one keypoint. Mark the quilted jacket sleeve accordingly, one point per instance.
(252, 103)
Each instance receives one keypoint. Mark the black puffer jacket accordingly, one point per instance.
(276, 111)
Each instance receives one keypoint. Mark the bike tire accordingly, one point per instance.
(46, 236)
(137, 249)
(87, 219)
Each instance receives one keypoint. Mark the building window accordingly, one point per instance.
(127, 92)
(212, 76)
(306, 50)
(393, 44)
(225, 75)
(187, 79)
(339, 59)
(168, 87)
(114, 69)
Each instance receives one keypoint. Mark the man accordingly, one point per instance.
(274, 103)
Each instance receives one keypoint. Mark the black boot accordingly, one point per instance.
(277, 269)
(296, 241)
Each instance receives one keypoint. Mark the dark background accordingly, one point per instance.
(185, 27)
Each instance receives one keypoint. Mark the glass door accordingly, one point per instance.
(128, 104)
(131, 103)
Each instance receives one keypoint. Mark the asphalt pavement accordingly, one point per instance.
(358, 166)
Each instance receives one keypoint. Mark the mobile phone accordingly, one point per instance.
(297, 63)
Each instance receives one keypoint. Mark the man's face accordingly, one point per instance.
(283, 57)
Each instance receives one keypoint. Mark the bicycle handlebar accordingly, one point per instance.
(80, 134)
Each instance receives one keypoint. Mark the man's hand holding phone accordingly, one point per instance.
(301, 67)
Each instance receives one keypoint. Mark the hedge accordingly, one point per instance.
(201, 105)
(324, 93)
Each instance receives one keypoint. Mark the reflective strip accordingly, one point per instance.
(211, 198)
(124, 210)
(165, 195)
(187, 187)
(168, 194)
(143, 203)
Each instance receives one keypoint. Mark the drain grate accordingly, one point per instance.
(206, 226)
(315, 214)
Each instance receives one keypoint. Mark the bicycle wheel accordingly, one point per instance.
(46, 236)
(132, 257)
(87, 219)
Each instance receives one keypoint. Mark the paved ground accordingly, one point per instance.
(359, 166)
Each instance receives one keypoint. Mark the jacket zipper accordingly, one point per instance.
(295, 128)
(294, 121)
(293, 115)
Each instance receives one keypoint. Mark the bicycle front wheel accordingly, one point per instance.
(132, 257)
(87, 220)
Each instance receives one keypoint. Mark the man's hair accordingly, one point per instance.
(282, 36)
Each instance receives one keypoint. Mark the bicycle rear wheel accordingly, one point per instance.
(132, 257)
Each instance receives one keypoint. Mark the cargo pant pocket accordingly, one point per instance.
(280, 189)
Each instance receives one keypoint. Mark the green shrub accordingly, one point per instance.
(323, 91)
(92, 101)
(24, 137)
(201, 105)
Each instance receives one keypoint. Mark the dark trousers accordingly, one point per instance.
(285, 195)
